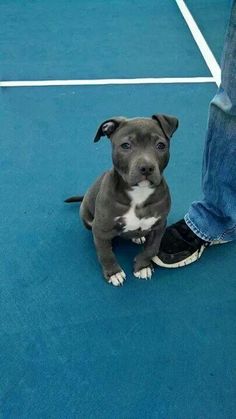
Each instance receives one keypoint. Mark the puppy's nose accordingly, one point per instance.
(146, 169)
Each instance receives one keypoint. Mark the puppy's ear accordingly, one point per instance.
(108, 127)
(168, 124)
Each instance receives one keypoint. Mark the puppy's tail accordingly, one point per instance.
(74, 199)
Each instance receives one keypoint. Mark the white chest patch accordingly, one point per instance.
(138, 195)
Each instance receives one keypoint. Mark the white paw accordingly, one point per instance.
(117, 279)
(145, 273)
(140, 240)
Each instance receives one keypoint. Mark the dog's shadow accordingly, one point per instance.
(126, 251)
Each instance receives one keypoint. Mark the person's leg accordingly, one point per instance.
(213, 219)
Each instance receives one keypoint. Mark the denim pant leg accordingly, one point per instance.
(214, 217)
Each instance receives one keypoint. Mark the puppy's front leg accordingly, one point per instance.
(143, 261)
(111, 269)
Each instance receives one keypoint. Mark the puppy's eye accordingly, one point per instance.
(126, 146)
(160, 146)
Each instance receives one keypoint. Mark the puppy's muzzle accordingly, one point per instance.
(144, 169)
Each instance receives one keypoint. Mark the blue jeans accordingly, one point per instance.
(214, 217)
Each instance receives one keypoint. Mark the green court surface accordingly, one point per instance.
(72, 346)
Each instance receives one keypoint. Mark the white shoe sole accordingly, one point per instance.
(190, 259)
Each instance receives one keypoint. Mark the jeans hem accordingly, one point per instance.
(196, 230)
(225, 236)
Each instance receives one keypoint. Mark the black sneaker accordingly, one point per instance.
(180, 246)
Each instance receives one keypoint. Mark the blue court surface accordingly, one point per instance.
(72, 346)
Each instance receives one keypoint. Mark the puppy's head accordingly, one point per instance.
(140, 146)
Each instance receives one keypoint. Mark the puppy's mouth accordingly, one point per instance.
(144, 182)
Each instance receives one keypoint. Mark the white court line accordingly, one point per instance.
(201, 42)
(198, 37)
(101, 82)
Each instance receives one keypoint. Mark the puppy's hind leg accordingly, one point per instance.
(86, 216)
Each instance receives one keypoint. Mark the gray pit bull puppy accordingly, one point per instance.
(132, 199)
